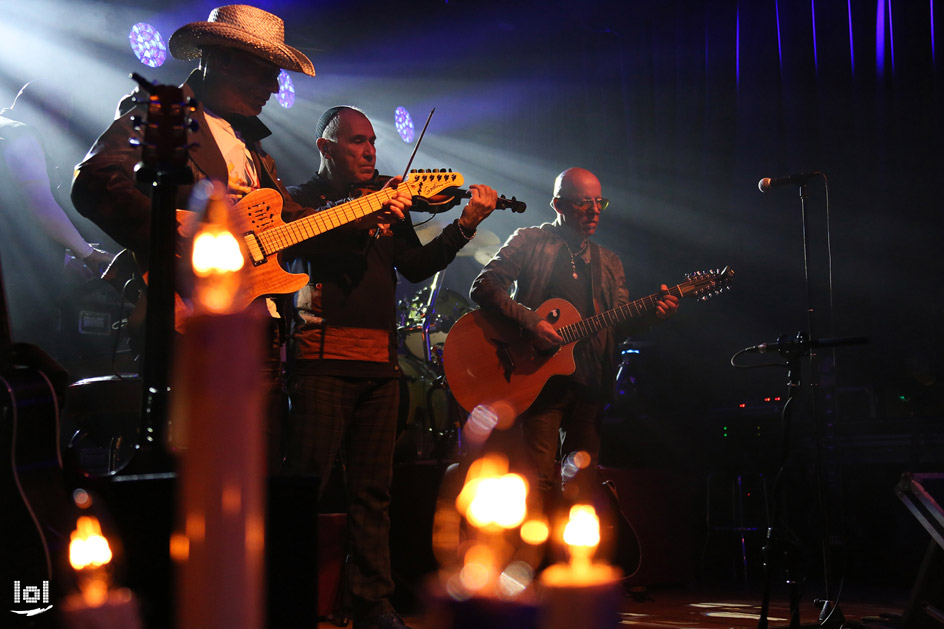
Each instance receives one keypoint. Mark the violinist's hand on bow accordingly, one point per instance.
(480, 205)
(392, 211)
(666, 306)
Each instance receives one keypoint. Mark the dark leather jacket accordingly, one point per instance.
(344, 322)
(106, 191)
(528, 258)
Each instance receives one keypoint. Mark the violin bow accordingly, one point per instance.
(416, 147)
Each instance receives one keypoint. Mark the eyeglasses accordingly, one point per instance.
(585, 205)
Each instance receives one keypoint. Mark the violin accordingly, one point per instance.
(442, 202)
(450, 198)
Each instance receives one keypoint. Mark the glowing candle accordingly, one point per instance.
(484, 582)
(96, 605)
(217, 413)
(581, 593)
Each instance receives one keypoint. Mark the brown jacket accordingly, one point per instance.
(105, 188)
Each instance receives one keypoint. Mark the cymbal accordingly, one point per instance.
(429, 230)
(484, 240)
(483, 256)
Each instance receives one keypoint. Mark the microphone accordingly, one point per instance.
(799, 344)
(768, 183)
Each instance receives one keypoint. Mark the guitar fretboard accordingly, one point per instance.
(591, 325)
(291, 233)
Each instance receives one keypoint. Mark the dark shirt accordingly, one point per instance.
(345, 319)
(576, 290)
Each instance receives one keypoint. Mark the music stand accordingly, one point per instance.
(922, 607)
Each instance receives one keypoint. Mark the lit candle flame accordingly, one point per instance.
(216, 252)
(216, 257)
(583, 528)
(88, 547)
(89, 553)
(582, 536)
(491, 496)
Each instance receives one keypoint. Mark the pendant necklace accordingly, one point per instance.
(573, 262)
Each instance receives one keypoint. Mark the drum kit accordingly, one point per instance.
(429, 418)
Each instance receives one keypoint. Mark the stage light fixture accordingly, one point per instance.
(403, 123)
(148, 45)
(286, 95)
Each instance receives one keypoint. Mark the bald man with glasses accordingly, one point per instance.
(559, 259)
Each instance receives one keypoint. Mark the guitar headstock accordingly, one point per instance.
(164, 146)
(426, 183)
(706, 284)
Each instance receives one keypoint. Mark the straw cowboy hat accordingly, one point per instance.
(244, 27)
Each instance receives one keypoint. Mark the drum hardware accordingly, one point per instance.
(434, 289)
(428, 425)
(426, 428)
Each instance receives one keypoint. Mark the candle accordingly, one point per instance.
(217, 411)
(96, 605)
(581, 593)
(486, 571)
(118, 610)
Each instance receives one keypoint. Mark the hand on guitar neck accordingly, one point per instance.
(545, 337)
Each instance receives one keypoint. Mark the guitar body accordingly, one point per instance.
(256, 213)
(35, 499)
(488, 360)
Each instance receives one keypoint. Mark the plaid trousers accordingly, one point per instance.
(355, 418)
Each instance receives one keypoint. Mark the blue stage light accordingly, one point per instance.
(147, 44)
(286, 95)
(403, 123)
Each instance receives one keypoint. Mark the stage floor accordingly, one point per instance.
(735, 606)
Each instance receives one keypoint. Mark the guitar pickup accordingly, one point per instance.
(256, 255)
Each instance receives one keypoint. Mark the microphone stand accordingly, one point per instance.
(792, 353)
(792, 350)
(819, 463)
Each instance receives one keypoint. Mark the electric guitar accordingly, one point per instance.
(489, 360)
(256, 221)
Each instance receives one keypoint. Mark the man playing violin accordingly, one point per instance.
(343, 370)
(558, 259)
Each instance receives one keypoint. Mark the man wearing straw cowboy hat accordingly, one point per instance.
(240, 50)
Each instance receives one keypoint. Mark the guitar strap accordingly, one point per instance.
(596, 278)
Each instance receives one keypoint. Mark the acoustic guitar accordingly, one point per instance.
(490, 360)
